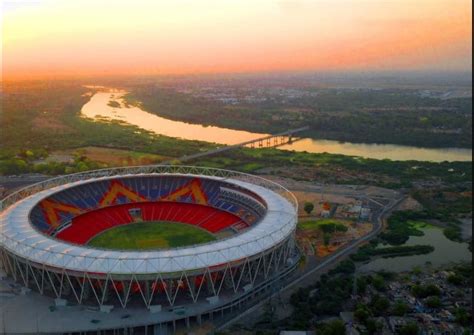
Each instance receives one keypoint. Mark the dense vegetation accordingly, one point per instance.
(42, 118)
(424, 291)
(368, 116)
(401, 225)
(331, 294)
(47, 117)
(366, 252)
(337, 169)
(33, 161)
(326, 297)
(449, 206)
(38, 119)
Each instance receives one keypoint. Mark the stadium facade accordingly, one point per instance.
(45, 229)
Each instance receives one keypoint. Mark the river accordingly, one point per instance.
(98, 108)
(445, 252)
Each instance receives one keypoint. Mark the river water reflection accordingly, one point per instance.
(445, 252)
(99, 107)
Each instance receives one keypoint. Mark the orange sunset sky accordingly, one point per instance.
(61, 38)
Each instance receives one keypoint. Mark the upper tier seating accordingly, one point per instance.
(68, 206)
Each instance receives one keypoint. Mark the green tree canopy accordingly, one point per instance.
(335, 327)
(409, 329)
(308, 207)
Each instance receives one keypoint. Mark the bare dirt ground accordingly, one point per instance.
(317, 193)
(332, 176)
(318, 200)
(48, 119)
(312, 244)
(410, 204)
(112, 157)
(338, 196)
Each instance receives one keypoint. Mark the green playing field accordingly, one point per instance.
(151, 235)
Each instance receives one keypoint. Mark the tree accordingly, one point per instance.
(13, 166)
(379, 304)
(308, 207)
(409, 329)
(340, 227)
(378, 282)
(328, 227)
(423, 291)
(362, 313)
(462, 317)
(433, 302)
(301, 317)
(29, 154)
(346, 267)
(373, 326)
(416, 270)
(361, 285)
(268, 313)
(455, 279)
(326, 239)
(335, 327)
(400, 308)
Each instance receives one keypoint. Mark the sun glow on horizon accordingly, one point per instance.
(74, 38)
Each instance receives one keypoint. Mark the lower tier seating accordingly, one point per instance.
(84, 227)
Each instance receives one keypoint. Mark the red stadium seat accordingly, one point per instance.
(85, 226)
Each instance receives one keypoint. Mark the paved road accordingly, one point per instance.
(11, 183)
(331, 260)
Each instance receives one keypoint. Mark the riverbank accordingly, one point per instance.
(402, 117)
(445, 252)
(67, 133)
(370, 252)
(118, 105)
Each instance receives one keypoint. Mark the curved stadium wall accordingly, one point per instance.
(46, 227)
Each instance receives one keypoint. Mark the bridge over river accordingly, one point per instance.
(286, 137)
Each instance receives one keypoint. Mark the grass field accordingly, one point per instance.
(420, 224)
(151, 235)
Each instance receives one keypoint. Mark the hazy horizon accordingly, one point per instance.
(420, 79)
(59, 39)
